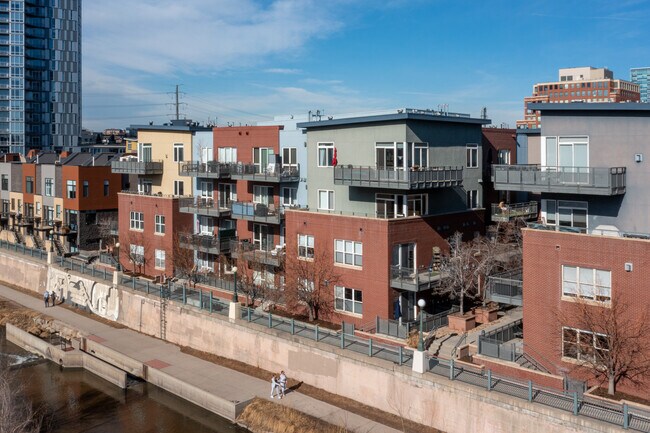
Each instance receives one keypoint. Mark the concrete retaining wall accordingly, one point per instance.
(23, 272)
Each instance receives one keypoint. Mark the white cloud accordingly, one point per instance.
(284, 71)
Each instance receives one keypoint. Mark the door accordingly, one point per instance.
(262, 156)
(205, 225)
(407, 305)
(573, 159)
(262, 194)
(206, 189)
(385, 156)
(289, 157)
(262, 239)
(227, 194)
(144, 152)
(206, 154)
(404, 256)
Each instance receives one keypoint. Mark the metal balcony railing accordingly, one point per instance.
(246, 250)
(211, 169)
(270, 173)
(413, 280)
(417, 178)
(137, 167)
(510, 211)
(506, 288)
(204, 206)
(258, 212)
(219, 244)
(569, 180)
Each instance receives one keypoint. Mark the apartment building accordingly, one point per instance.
(591, 245)
(583, 84)
(641, 77)
(383, 191)
(150, 220)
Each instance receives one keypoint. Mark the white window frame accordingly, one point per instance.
(348, 253)
(179, 152)
(328, 150)
(289, 196)
(473, 199)
(306, 247)
(289, 157)
(503, 156)
(136, 220)
(159, 259)
(551, 212)
(178, 185)
(263, 194)
(330, 199)
(472, 160)
(71, 189)
(49, 187)
(137, 253)
(348, 304)
(227, 155)
(587, 283)
(589, 338)
(159, 227)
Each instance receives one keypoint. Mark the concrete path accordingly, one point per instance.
(213, 378)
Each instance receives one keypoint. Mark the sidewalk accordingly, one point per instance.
(213, 378)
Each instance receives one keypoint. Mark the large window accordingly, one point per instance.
(289, 196)
(289, 157)
(262, 156)
(325, 154)
(137, 220)
(348, 252)
(587, 283)
(179, 187)
(565, 213)
(227, 155)
(348, 300)
(306, 246)
(71, 186)
(29, 185)
(263, 194)
(584, 345)
(325, 199)
(160, 224)
(160, 259)
(49, 187)
(472, 156)
(566, 151)
(178, 152)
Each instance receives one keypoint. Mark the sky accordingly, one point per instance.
(246, 61)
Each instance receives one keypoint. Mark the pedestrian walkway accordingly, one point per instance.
(218, 380)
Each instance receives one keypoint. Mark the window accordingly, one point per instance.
(262, 157)
(472, 199)
(289, 196)
(137, 220)
(503, 157)
(85, 188)
(38, 208)
(227, 155)
(325, 199)
(29, 185)
(584, 345)
(179, 187)
(587, 283)
(306, 246)
(49, 187)
(106, 188)
(289, 157)
(325, 154)
(178, 152)
(160, 259)
(144, 152)
(5, 182)
(565, 213)
(72, 188)
(385, 205)
(58, 212)
(160, 224)
(263, 194)
(348, 252)
(472, 155)
(416, 205)
(349, 300)
(137, 254)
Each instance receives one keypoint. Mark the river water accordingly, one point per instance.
(77, 401)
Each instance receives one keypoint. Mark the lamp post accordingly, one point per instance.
(235, 298)
(421, 304)
(118, 267)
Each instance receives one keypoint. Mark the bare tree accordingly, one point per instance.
(183, 258)
(16, 412)
(310, 283)
(136, 247)
(466, 268)
(253, 288)
(610, 341)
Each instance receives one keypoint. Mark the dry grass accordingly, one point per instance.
(268, 417)
(602, 392)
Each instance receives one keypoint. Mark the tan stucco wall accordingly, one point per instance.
(162, 149)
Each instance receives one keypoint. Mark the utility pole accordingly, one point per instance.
(177, 103)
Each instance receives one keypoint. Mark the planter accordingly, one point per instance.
(462, 323)
(485, 314)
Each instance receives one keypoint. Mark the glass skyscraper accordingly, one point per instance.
(40, 74)
(641, 76)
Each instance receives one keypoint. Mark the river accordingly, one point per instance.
(78, 401)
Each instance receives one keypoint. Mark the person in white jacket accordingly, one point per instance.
(274, 387)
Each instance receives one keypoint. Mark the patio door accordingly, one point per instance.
(144, 152)
(262, 238)
(262, 156)
(205, 225)
(206, 189)
(227, 194)
(404, 256)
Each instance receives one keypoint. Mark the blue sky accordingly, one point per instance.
(248, 60)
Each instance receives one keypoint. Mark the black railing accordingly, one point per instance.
(137, 167)
(506, 288)
(380, 177)
(210, 169)
(269, 213)
(504, 212)
(247, 250)
(207, 243)
(268, 173)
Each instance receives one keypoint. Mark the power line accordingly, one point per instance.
(221, 106)
(123, 105)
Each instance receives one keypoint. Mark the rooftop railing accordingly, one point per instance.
(510, 211)
(204, 206)
(269, 173)
(258, 212)
(244, 249)
(506, 288)
(569, 180)
(210, 169)
(137, 167)
(381, 177)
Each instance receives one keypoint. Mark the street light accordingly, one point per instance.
(118, 267)
(235, 298)
(421, 304)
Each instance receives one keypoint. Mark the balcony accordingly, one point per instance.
(210, 170)
(275, 173)
(137, 167)
(219, 244)
(258, 212)
(424, 178)
(505, 288)
(413, 280)
(568, 180)
(511, 211)
(248, 251)
(204, 206)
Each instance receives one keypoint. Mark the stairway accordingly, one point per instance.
(17, 236)
(38, 243)
(58, 247)
(527, 361)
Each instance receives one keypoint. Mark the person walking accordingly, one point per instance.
(53, 296)
(274, 387)
(283, 383)
(46, 298)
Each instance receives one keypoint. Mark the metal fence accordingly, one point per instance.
(397, 329)
(495, 344)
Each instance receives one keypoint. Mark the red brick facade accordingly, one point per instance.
(544, 254)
